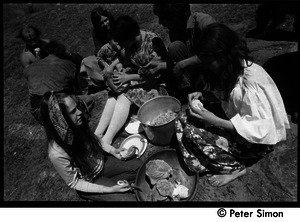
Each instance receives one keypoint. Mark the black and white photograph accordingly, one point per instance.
(150, 103)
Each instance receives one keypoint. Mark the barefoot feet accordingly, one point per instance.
(223, 179)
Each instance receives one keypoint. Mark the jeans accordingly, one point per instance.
(113, 171)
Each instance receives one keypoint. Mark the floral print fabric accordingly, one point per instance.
(204, 151)
(149, 88)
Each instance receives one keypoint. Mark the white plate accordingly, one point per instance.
(134, 127)
(137, 140)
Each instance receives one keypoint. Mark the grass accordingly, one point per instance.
(28, 173)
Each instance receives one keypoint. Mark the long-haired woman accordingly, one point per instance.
(255, 117)
(77, 154)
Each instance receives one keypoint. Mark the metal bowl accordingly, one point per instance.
(169, 156)
(161, 134)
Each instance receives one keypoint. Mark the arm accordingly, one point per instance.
(211, 120)
(208, 118)
(62, 163)
(183, 64)
(26, 58)
(155, 65)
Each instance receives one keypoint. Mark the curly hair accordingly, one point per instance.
(218, 43)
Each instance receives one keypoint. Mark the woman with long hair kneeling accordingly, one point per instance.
(254, 114)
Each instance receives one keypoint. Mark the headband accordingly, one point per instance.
(59, 122)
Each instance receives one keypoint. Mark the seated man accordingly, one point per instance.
(33, 45)
(184, 30)
(55, 72)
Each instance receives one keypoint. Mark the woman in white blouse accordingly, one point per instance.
(255, 114)
(77, 155)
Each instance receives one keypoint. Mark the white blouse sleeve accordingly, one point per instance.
(61, 162)
(254, 121)
(257, 110)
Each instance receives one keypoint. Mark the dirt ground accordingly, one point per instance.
(28, 173)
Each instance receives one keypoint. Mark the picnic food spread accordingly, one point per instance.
(166, 182)
(162, 118)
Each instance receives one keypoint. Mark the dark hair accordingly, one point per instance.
(126, 28)
(84, 142)
(55, 47)
(96, 14)
(172, 11)
(26, 27)
(219, 43)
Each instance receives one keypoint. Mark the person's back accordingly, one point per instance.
(50, 73)
(196, 23)
(55, 72)
(182, 25)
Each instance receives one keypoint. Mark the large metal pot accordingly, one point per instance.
(161, 134)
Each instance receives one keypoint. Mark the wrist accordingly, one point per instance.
(163, 65)
(107, 189)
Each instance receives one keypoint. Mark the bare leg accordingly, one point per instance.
(222, 179)
(106, 116)
(118, 119)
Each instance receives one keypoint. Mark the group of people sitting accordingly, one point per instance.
(243, 115)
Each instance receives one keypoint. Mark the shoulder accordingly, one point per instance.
(26, 58)
(202, 19)
(254, 81)
(55, 151)
(255, 73)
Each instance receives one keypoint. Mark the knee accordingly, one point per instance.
(174, 47)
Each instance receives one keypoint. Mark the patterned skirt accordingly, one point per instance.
(204, 151)
(142, 93)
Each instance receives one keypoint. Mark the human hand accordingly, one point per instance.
(120, 78)
(203, 115)
(155, 65)
(193, 96)
(116, 153)
(120, 188)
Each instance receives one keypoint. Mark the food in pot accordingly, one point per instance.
(165, 188)
(163, 118)
(180, 192)
(168, 184)
(154, 195)
(157, 170)
(129, 153)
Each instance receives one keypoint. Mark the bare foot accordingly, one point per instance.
(223, 179)
(110, 149)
